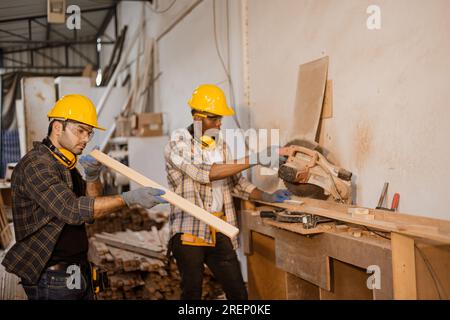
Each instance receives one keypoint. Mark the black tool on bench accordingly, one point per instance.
(281, 216)
(309, 221)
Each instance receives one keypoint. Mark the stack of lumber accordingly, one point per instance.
(135, 219)
(137, 266)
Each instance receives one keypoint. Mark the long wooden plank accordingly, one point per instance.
(170, 196)
(403, 267)
(415, 226)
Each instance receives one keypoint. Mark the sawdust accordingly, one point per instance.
(363, 138)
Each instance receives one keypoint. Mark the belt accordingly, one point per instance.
(62, 266)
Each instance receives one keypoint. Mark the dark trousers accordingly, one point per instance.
(52, 285)
(221, 260)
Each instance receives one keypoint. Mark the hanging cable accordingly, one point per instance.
(162, 11)
(222, 62)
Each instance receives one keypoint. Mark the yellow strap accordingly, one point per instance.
(191, 240)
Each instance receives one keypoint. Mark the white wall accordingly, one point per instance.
(391, 86)
(391, 89)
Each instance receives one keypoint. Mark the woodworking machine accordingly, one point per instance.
(307, 173)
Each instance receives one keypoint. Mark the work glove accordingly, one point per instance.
(92, 167)
(146, 197)
(277, 196)
(269, 157)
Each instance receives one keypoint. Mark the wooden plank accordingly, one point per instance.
(303, 257)
(411, 225)
(327, 110)
(170, 196)
(311, 84)
(403, 267)
(348, 283)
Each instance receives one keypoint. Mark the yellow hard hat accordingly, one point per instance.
(77, 108)
(210, 98)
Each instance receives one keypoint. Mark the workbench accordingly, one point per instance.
(393, 256)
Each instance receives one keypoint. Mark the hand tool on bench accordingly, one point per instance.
(395, 199)
(395, 202)
(308, 220)
(282, 216)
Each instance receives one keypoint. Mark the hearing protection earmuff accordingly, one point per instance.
(64, 156)
(206, 142)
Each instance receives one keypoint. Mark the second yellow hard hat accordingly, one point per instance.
(210, 98)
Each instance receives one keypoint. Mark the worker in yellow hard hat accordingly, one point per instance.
(51, 204)
(209, 183)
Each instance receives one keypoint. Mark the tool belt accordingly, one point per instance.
(191, 240)
(99, 279)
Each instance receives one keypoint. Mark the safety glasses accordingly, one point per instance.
(79, 131)
(213, 117)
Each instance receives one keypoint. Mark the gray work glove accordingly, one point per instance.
(92, 167)
(269, 157)
(146, 197)
(277, 196)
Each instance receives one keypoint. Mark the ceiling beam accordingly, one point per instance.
(54, 45)
(105, 22)
(44, 67)
(14, 34)
(16, 61)
(61, 42)
(45, 15)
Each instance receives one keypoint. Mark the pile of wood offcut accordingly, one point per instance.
(136, 261)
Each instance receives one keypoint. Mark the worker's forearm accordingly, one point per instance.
(107, 204)
(94, 189)
(222, 171)
(256, 194)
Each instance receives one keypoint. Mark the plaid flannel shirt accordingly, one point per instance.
(43, 202)
(188, 176)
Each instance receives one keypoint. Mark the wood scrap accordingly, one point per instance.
(135, 219)
(135, 276)
(121, 241)
(361, 213)
(312, 79)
